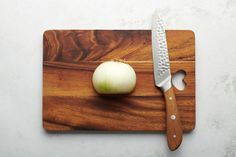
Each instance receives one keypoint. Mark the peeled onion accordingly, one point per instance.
(114, 77)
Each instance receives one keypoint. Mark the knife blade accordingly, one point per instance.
(162, 77)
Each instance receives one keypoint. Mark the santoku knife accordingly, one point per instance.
(162, 78)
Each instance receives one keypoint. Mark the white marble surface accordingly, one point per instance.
(22, 23)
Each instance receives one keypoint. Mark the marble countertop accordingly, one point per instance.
(22, 25)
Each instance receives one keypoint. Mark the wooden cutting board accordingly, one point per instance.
(70, 102)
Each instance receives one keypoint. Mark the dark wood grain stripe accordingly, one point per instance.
(98, 112)
(93, 45)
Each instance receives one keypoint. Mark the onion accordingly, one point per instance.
(114, 77)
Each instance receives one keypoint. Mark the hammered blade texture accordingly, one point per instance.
(160, 50)
(162, 55)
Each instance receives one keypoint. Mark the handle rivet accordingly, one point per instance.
(170, 98)
(173, 117)
(174, 136)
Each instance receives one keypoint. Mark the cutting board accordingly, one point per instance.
(70, 102)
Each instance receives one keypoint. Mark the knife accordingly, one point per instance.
(162, 77)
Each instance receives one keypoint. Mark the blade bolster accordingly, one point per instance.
(166, 86)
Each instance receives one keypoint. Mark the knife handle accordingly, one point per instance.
(173, 123)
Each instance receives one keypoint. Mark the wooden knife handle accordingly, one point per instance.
(173, 123)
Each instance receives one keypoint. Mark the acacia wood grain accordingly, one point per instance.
(69, 101)
(100, 45)
(173, 126)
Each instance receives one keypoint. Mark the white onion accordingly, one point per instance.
(114, 77)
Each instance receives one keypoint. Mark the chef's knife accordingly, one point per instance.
(162, 78)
